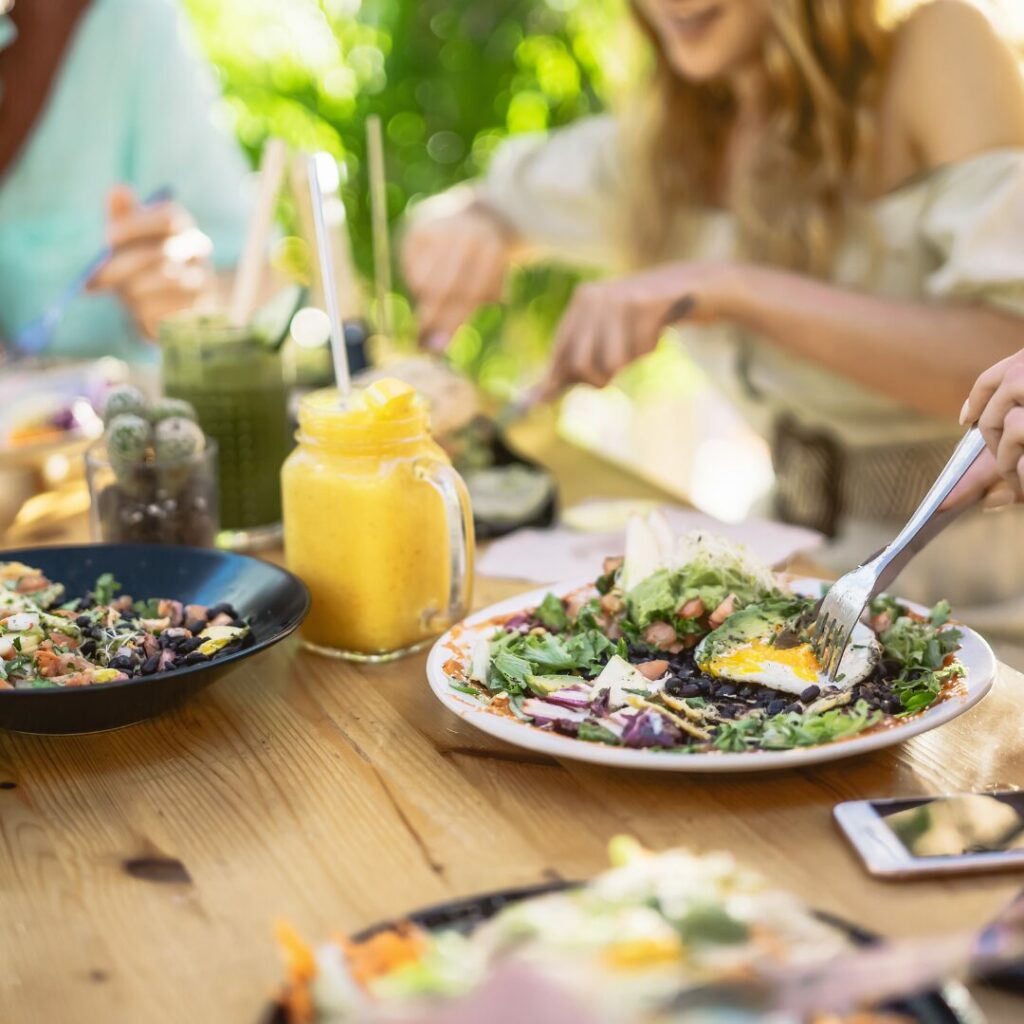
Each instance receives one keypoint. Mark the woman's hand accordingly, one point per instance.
(996, 404)
(453, 264)
(160, 261)
(983, 483)
(609, 324)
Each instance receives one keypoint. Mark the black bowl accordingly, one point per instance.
(466, 914)
(272, 600)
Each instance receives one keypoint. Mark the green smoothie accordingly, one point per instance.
(236, 383)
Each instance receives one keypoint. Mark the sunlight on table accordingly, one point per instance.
(665, 422)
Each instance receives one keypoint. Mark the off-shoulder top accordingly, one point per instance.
(953, 233)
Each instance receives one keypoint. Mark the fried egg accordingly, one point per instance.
(789, 669)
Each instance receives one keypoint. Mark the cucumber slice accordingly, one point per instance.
(273, 320)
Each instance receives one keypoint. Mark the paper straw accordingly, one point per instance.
(250, 267)
(379, 222)
(327, 278)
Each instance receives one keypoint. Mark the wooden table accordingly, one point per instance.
(141, 870)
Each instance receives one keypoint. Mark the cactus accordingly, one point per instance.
(177, 438)
(159, 493)
(122, 401)
(166, 408)
(127, 438)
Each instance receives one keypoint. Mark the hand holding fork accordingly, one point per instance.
(845, 601)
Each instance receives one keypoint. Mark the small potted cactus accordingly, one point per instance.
(153, 475)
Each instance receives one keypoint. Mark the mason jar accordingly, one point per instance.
(377, 524)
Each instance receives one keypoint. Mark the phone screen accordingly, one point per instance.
(955, 826)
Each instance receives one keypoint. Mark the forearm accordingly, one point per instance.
(926, 356)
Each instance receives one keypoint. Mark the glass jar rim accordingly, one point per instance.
(189, 325)
(322, 422)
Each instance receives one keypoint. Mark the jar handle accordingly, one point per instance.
(447, 482)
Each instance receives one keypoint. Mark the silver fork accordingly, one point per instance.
(845, 601)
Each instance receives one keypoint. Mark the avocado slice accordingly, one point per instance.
(543, 685)
(754, 622)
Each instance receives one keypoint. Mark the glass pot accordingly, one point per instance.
(153, 502)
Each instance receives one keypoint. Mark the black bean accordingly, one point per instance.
(196, 626)
(673, 685)
(793, 709)
(891, 706)
(731, 710)
(188, 644)
(221, 609)
(689, 689)
(123, 662)
(95, 632)
(813, 692)
(88, 649)
(196, 658)
(777, 706)
(83, 622)
(749, 692)
(165, 641)
(723, 690)
(150, 665)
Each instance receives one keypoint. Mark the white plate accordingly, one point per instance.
(975, 655)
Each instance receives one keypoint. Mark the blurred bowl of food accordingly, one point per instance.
(48, 417)
(48, 409)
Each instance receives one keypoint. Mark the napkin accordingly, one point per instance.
(561, 553)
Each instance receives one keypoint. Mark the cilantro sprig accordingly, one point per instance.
(792, 729)
(917, 652)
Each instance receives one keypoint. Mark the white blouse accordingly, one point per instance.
(954, 233)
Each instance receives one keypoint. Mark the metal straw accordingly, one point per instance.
(328, 280)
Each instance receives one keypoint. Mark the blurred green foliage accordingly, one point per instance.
(449, 79)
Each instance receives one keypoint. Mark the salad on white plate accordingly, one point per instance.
(690, 645)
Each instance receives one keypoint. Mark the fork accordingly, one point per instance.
(845, 601)
(35, 336)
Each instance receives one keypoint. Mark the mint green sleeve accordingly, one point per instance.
(173, 140)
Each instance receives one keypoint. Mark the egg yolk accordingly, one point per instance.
(639, 953)
(755, 656)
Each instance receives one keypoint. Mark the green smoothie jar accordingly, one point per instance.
(236, 382)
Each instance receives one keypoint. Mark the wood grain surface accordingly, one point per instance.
(141, 870)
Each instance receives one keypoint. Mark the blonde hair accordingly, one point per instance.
(823, 61)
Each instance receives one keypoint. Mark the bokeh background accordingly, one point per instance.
(449, 79)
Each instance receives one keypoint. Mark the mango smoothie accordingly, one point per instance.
(376, 523)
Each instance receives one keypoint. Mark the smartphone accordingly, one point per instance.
(940, 835)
